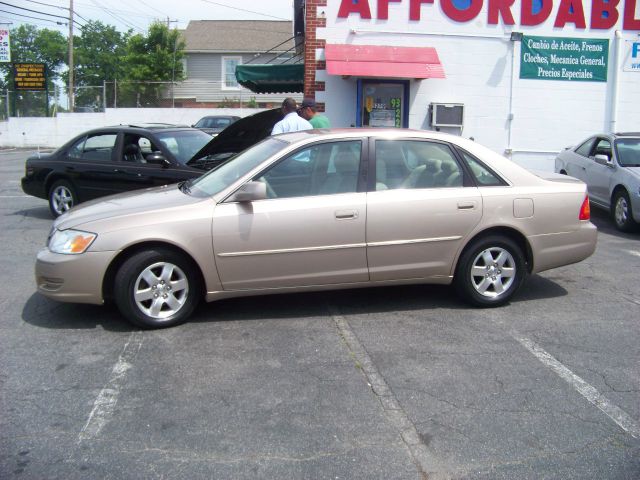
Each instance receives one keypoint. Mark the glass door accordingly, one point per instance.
(382, 103)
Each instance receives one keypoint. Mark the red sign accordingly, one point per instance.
(604, 14)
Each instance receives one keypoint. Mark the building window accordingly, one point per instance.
(229, 65)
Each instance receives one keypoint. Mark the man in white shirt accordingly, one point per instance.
(291, 122)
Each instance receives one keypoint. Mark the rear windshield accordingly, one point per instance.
(628, 152)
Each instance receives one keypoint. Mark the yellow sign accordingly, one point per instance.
(30, 76)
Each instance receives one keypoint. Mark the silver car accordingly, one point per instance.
(321, 210)
(609, 164)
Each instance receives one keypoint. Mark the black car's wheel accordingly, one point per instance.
(490, 271)
(62, 197)
(622, 213)
(157, 288)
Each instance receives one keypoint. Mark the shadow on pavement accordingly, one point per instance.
(602, 219)
(41, 213)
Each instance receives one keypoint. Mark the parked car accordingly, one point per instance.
(609, 163)
(318, 210)
(214, 124)
(116, 159)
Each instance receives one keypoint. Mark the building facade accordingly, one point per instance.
(524, 77)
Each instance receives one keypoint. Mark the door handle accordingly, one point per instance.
(466, 206)
(346, 214)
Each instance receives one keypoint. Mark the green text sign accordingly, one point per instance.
(568, 59)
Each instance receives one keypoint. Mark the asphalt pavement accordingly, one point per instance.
(380, 383)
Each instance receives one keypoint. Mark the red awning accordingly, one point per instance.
(379, 61)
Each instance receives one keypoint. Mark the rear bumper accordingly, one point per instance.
(72, 278)
(559, 249)
(32, 187)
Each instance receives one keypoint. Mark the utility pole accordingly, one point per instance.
(71, 99)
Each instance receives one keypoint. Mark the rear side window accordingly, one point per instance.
(483, 176)
(96, 148)
(585, 148)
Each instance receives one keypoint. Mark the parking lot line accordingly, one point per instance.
(106, 400)
(589, 392)
(633, 252)
(422, 456)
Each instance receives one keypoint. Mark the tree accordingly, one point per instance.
(30, 44)
(98, 54)
(154, 57)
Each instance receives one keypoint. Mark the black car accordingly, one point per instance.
(116, 159)
(214, 124)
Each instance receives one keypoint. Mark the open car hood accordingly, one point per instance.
(237, 137)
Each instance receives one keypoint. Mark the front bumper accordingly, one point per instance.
(564, 248)
(72, 278)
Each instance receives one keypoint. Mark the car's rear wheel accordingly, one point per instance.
(490, 271)
(622, 213)
(157, 288)
(62, 197)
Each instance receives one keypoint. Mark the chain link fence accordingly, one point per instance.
(116, 94)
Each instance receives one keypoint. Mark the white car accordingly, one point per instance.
(609, 163)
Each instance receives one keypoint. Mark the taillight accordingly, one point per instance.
(585, 210)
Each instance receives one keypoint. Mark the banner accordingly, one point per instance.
(566, 59)
(5, 46)
(632, 57)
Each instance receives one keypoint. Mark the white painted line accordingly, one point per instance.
(633, 252)
(17, 196)
(105, 403)
(589, 392)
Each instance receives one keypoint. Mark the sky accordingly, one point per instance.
(138, 14)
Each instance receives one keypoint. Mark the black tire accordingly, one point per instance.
(157, 288)
(62, 196)
(622, 213)
(491, 257)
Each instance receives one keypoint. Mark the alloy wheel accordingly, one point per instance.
(161, 290)
(493, 272)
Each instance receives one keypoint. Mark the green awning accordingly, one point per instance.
(271, 78)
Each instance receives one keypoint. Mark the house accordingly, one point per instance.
(213, 50)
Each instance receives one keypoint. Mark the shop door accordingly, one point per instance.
(383, 104)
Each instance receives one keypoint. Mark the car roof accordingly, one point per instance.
(142, 126)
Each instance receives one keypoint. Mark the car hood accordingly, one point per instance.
(240, 135)
(125, 204)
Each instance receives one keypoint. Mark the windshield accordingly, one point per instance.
(628, 152)
(220, 178)
(184, 144)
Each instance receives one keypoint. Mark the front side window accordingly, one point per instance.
(603, 147)
(324, 169)
(415, 164)
(229, 65)
(585, 148)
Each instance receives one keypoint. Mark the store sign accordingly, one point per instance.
(632, 57)
(568, 59)
(5, 46)
(603, 14)
(30, 76)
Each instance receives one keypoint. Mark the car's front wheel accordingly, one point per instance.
(157, 288)
(62, 197)
(622, 213)
(490, 271)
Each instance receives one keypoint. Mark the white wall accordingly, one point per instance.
(52, 132)
(547, 115)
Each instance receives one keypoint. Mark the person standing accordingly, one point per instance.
(309, 112)
(291, 122)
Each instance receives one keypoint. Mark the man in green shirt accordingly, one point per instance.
(308, 111)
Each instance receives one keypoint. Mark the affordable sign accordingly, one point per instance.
(568, 59)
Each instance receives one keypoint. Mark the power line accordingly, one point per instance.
(242, 9)
(126, 12)
(33, 11)
(106, 10)
(48, 5)
(153, 8)
(35, 18)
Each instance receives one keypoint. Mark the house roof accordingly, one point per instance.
(237, 36)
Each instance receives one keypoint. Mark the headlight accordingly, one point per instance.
(70, 242)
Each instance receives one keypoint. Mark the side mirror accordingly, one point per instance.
(603, 160)
(250, 192)
(157, 158)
